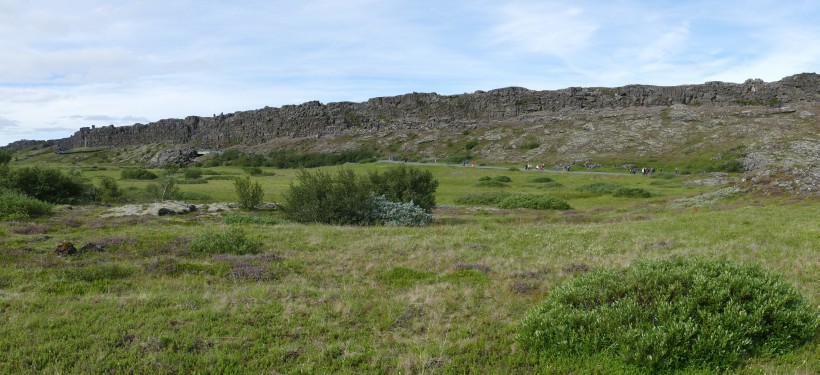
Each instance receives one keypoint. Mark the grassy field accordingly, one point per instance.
(447, 298)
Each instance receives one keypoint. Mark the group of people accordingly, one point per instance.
(529, 167)
(644, 171)
(469, 162)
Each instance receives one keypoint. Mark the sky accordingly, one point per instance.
(70, 64)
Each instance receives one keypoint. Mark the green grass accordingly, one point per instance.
(446, 298)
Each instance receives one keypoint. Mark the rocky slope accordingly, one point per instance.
(772, 127)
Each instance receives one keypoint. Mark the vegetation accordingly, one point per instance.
(231, 240)
(289, 158)
(47, 184)
(137, 174)
(347, 198)
(670, 315)
(249, 194)
(534, 201)
(5, 157)
(403, 184)
(18, 206)
(449, 297)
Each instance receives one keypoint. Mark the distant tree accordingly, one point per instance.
(5, 157)
(250, 194)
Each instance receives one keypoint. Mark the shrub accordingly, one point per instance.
(166, 189)
(252, 219)
(542, 179)
(109, 190)
(347, 198)
(192, 173)
(390, 213)
(5, 157)
(231, 240)
(17, 206)
(138, 174)
(253, 171)
(485, 178)
(534, 201)
(631, 192)
(671, 314)
(323, 198)
(470, 144)
(600, 188)
(49, 185)
(502, 179)
(489, 198)
(406, 184)
(249, 194)
(492, 183)
(732, 166)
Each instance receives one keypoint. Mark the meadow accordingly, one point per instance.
(446, 298)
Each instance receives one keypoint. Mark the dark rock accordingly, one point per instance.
(65, 248)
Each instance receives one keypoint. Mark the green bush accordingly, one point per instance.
(396, 214)
(630, 192)
(542, 179)
(348, 199)
(732, 166)
(18, 206)
(534, 201)
(249, 194)
(5, 157)
(192, 173)
(488, 198)
(492, 183)
(485, 178)
(600, 188)
(252, 219)
(670, 315)
(166, 189)
(109, 191)
(231, 240)
(405, 184)
(49, 185)
(502, 179)
(137, 174)
(323, 198)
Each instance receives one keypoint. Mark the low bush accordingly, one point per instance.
(405, 184)
(49, 185)
(192, 173)
(138, 174)
(492, 183)
(551, 185)
(223, 178)
(534, 201)
(231, 240)
(502, 179)
(348, 199)
(600, 188)
(489, 198)
(18, 206)
(671, 315)
(194, 181)
(542, 179)
(252, 219)
(630, 192)
(249, 194)
(383, 211)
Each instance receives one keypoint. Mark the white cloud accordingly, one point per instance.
(552, 29)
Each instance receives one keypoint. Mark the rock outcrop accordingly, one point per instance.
(420, 111)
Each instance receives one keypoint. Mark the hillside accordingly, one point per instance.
(770, 127)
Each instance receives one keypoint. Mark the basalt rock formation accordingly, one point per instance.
(418, 111)
(769, 127)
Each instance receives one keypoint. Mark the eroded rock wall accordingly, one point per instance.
(418, 111)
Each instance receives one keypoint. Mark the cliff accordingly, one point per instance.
(421, 111)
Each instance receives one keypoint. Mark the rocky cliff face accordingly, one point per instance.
(418, 112)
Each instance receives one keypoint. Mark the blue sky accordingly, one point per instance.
(68, 64)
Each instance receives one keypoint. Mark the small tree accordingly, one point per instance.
(166, 189)
(5, 157)
(406, 184)
(250, 194)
